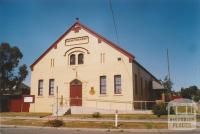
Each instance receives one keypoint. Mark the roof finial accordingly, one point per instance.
(77, 19)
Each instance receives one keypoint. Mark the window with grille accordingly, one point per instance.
(40, 87)
(117, 84)
(102, 84)
(80, 58)
(51, 87)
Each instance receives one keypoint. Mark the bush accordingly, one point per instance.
(196, 98)
(96, 115)
(55, 123)
(160, 109)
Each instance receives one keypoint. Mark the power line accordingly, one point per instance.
(114, 22)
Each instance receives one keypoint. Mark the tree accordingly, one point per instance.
(167, 83)
(11, 74)
(191, 92)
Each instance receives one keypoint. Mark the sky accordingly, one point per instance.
(146, 28)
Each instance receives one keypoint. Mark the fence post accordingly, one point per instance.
(116, 118)
(96, 104)
(57, 102)
(22, 105)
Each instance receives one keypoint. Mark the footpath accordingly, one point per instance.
(94, 130)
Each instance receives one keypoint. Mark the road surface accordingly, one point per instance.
(42, 130)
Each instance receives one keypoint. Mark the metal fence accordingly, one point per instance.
(108, 104)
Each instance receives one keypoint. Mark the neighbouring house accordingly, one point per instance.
(14, 101)
(83, 69)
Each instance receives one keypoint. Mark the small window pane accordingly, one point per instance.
(40, 87)
(102, 84)
(72, 59)
(51, 87)
(80, 59)
(117, 84)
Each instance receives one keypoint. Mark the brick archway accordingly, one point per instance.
(75, 93)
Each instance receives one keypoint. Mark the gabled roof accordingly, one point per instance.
(100, 38)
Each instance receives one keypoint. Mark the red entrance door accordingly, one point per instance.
(75, 93)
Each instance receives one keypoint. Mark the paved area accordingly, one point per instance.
(40, 130)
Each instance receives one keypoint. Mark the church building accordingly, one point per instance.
(85, 70)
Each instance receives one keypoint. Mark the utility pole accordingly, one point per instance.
(168, 67)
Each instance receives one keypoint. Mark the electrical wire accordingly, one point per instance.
(114, 21)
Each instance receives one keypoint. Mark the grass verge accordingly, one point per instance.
(23, 122)
(76, 124)
(85, 116)
(23, 114)
(121, 116)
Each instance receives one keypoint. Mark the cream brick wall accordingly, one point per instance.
(88, 73)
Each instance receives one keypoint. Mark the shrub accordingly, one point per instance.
(55, 123)
(160, 109)
(196, 98)
(96, 115)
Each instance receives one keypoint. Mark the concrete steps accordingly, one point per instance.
(61, 110)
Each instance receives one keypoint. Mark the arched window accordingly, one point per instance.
(72, 59)
(80, 58)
